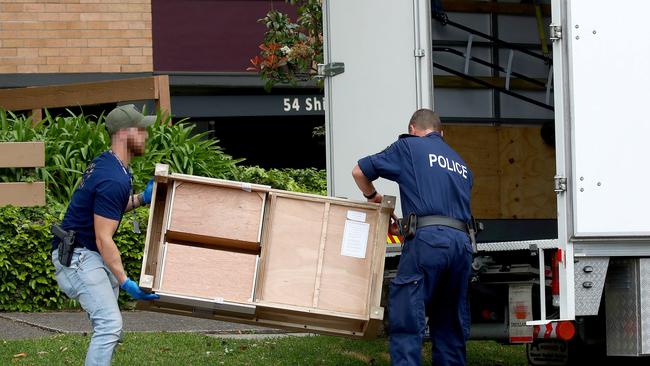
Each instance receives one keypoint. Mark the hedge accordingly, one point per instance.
(27, 280)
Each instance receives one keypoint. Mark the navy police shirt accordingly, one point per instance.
(104, 191)
(433, 179)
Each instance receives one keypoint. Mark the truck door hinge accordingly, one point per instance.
(329, 70)
(555, 32)
(560, 184)
(419, 52)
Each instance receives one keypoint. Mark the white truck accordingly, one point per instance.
(586, 291)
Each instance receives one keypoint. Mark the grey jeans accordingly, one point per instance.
(89, 281)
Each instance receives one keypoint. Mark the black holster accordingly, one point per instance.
(66, 244)
(407, 226)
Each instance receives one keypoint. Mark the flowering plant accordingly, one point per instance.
(291, 51)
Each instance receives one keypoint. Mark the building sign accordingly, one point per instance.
(248, 105)
(303, 103)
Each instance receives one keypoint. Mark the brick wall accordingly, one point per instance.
(71, 36)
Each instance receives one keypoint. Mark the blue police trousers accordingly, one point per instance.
(89, 281)
(432, 278)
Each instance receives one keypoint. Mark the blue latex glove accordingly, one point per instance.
(148, 191)
(134, 290)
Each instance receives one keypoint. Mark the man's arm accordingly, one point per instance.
(104, 230)
(140, 199)
(135, 201)
(365, 185)
(367, 188)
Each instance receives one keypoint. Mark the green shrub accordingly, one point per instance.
(26, 273)
(27, 280)
(308, 180)
(184, 152)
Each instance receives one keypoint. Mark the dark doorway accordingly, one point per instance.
(270, 142)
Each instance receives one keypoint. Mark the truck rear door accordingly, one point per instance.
(601, 77)
(385, 47)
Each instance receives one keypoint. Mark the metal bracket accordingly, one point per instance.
(560, 184)
(419, 52)
(556, 32)
(468, 53)
(511, 55)
(329, 70)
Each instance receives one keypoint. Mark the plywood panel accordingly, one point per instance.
(291, 250)
(486, 193)
(513, 170)
(208, 273)
(479, 147)
(345, 281)
(528, 168)
(224, 214)
(22, 154)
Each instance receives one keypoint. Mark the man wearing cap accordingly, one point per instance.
(105, 193)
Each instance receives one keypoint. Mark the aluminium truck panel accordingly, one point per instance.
(589, 282)
(627, 307)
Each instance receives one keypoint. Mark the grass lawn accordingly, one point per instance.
(195, 349)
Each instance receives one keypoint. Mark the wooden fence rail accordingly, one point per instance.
(34, 99)
(22, 155)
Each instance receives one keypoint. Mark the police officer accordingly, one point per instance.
(96, 274)
(434, 269)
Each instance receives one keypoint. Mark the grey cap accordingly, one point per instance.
(127, 116)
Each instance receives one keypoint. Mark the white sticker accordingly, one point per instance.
(218, 300)
(246, 187)
(357, 216)
(355, 239)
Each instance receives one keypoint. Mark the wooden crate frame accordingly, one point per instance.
(365, 323)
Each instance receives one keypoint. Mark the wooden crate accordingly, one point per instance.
(251, 254)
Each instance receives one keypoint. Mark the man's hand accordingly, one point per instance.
(136, 292)
(393, 228)
(148, 192)
(377, 198)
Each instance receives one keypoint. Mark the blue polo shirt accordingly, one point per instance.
(104, 191)
(433, 179)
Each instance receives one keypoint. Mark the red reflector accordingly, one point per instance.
(565, 330)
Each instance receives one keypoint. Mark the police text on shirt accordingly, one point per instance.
(450, 165)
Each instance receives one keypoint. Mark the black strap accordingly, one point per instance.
(444, 221)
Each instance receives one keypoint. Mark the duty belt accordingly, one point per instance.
(444, 221)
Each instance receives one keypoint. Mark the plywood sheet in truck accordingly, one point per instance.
(513, 170)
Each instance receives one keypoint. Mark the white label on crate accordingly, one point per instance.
(355, 239)
(357, 216)
(246, 187)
